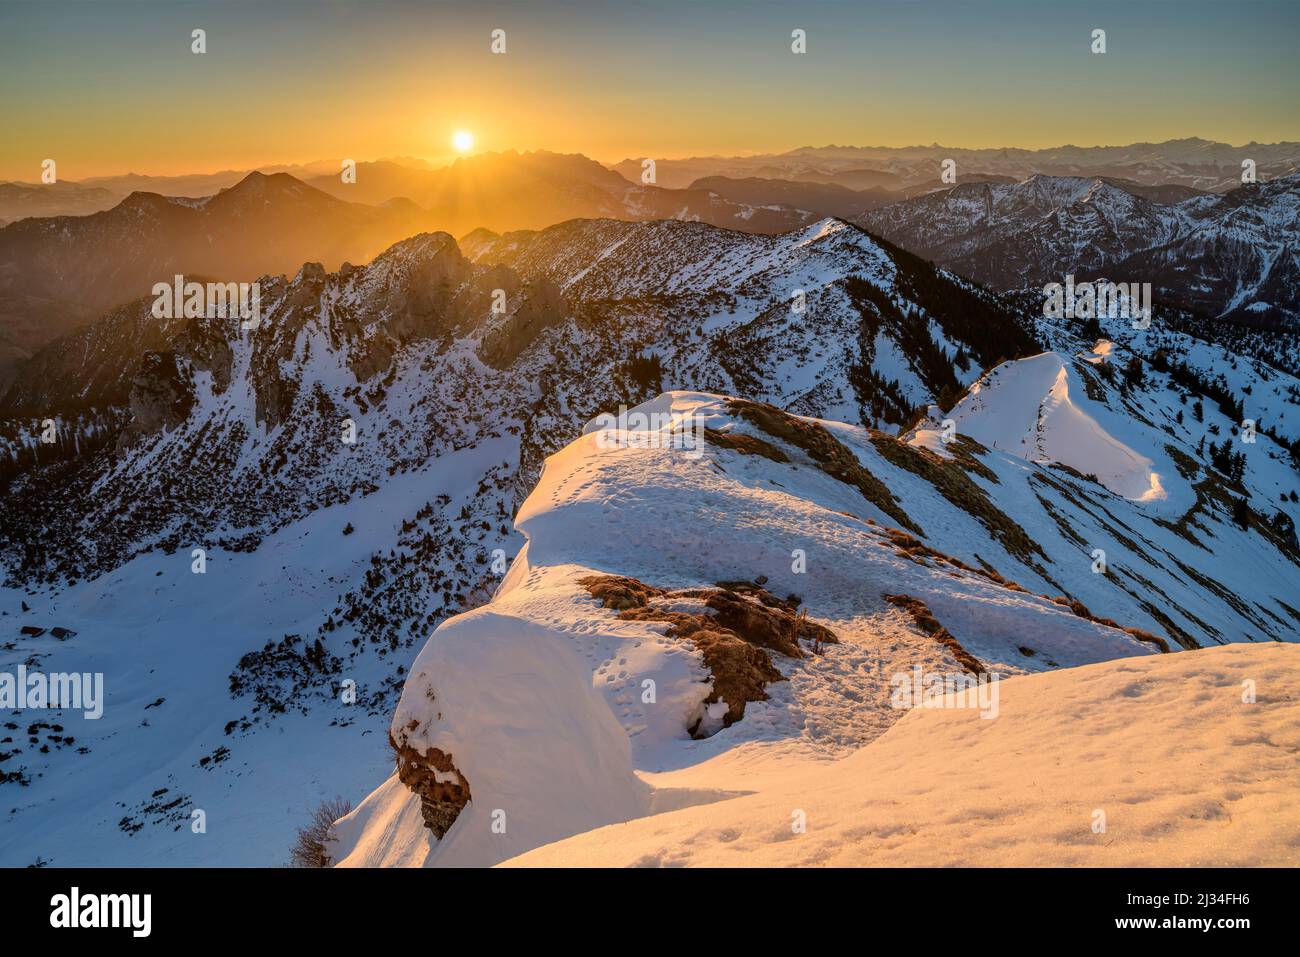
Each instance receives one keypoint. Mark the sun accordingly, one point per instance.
(463, 141)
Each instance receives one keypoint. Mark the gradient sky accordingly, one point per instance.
(108, 88)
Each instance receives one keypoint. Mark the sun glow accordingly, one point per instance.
(463, 141)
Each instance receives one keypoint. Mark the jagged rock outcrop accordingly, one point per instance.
(161, 396)
(542, 305)
(208, 350)
(412, 295)
(433, 777)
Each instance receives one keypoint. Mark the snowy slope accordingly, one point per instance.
(1036, 409)
(1152, 762)
(175, 737)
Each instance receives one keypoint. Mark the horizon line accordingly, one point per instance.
(444, 161)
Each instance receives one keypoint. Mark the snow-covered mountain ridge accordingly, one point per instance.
(629, 540)
(328, 562)
(410, 350)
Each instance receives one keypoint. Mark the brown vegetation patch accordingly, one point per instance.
(1290, 610)
(926, 621)
(767, 624)
(311, 847)
(1181, 636)
(1149, 638)
(741, 672)
(619, 593)
(1226, 595)
(1092, 386)
(1065, 528)
(1081, 610)
(952, 482)
(1211, 491)
(1075, 473)
(1187, 466)
(756, 590)
(827, 452)
(964, 450)
(747, 623)
(744, 608)
(746, 444)
(1147, 593)
(909, 547)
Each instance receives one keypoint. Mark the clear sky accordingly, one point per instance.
(112, 87)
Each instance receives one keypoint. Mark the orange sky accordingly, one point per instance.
(109, 88)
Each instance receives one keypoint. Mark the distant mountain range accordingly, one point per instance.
(1197, 163)
(1234, 256)
(826, 199)
(1229, 255)
(503, 191)
(508, 190)
(55, 272)
(83, 197)
(19, 200)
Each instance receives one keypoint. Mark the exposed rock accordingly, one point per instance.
(203, 343)
(312, 272)
(432, 776)
(481, 296)
(274, 342)
(416, 300)
(541, 307)
(161, 396)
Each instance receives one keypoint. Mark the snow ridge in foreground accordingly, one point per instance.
(539, 697)
(1137, 762)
